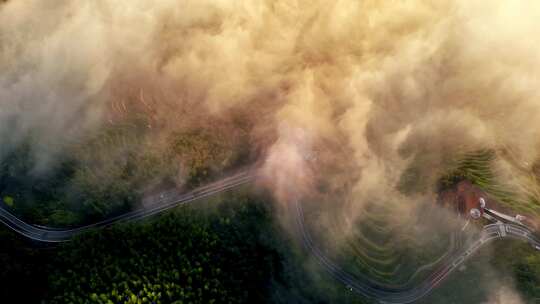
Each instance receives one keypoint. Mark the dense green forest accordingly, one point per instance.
(231, 249)
(180, 257)
(228, 249)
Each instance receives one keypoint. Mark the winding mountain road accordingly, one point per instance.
(164, 201)
(391, 295)
(359, 284)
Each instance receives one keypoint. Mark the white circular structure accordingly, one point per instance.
(482, 203)
(475, 213)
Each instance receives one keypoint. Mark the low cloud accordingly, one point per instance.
(349, 93)
(504, 295)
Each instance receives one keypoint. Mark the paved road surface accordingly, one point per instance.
(388, 294)
(360, 284)
(163, 201)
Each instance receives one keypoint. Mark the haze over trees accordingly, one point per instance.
(373, 105)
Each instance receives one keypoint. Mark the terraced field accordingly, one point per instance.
(376, 246)
(489, 170)
(401, 253)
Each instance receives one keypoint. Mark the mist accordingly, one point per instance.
(350, 93)
(387, 81)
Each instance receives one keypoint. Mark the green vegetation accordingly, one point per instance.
(108, 171)
(509, 263)
(232, 253)
(528, 275)
(391, 252)
(35, 194)
(8, 200)
(522, 264)
(227, 250)
(515, 257)
(182, 257)
(477, 167)
(474, 167)
(202, 153)
(388, 251)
